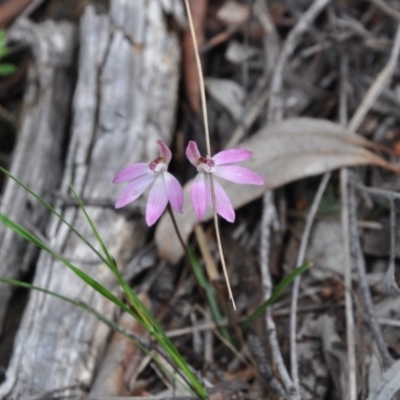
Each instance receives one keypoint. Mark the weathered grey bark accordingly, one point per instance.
(125, 99)
(37, 158)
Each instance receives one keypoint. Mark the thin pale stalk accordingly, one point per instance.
(208, 144)
(221, 252)
(201, 280)
(201, 79)
(295, 293)
(350, 328)
(268, 216)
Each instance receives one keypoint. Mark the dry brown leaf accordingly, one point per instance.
(291, 150)
(11, 9)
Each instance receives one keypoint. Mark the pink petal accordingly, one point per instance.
(174, 191)
(238, 174)
(157, 201)
(192, 153)
(165, 152)
(134, 190)
(198, 195)
(224, 205)
(231, 156)
(131, 172)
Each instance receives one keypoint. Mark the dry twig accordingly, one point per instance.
(369, 99)
(296, 285)
(351, 352)
(359, 261)
(379, 84)
(275, 109)
(268, 218)
(350, 331)
(386, 8)
(275, 114)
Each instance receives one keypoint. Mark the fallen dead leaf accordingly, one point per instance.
(293, 149)
(227, 93)
(233, 13)
(238, 53)
(389, 385)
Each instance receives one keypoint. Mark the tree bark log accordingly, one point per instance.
(124, 101)
(37, 159)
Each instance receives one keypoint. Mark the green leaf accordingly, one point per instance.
(7, 69)
(138, 341)
(283, 284)
(142, 313)
(110, 259)
(138, 310)
(4, 51)
(19, 230)
(50, 208)
(76, 303)
(2, 37)
(212, 301)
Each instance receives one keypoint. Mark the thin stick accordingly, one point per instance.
(275, 114)
(355, 249)
(379, 84)
(221, 252)
(350, 329)
(356, 252)
(296, 285)
(390, 284)
(350, 339)
(268, 217)
(275, 109)
(387, 9)
(208, 144)
(201, 79)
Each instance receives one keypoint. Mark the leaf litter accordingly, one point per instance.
(288, 155)
(288, 151)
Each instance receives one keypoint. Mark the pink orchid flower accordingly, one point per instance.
(164, 186)
(221, 165)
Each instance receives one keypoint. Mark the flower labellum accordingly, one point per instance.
(222, 165)
(164, 186)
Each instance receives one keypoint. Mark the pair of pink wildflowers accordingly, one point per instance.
(166, 188)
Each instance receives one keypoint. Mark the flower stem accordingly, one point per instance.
(185, 249)
(201, 79)
(218, 235)
(207, 135)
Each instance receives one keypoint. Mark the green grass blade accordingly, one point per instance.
(111, 262)
(51, 209)
(142, 313)
(19, 230)
(91, 311)
(283, 284)
(7, 69)
(212, 301)
(159, 334)
(76, 303)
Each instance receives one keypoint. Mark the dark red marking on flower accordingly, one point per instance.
(154, 163)
(207, 161)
